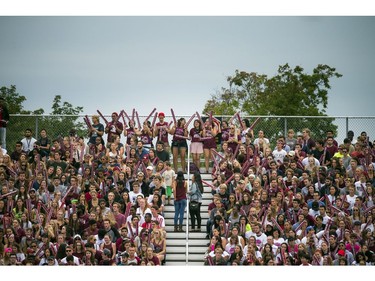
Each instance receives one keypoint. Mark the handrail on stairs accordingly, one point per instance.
(187, 207)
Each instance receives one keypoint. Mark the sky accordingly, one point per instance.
(112, 63)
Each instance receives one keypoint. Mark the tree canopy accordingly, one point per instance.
(291, 92)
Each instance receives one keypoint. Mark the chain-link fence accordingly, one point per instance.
(273, 126)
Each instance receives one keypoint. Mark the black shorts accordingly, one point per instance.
(179, 144)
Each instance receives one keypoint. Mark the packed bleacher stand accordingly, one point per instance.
(70, 202)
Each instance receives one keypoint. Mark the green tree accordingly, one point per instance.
(291, 92)
(56, 126)
(63, 118)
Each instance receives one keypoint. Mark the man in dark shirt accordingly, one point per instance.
(161, 153)
(320, 153)
(15, 155)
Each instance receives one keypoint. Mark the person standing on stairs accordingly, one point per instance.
(196, 190)
(179, 186)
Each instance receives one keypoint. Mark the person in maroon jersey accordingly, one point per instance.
(179, 143)
(145, 135)
(113, 128)
(130, 132)
(161, 131)
(234, 138)
(151, 257)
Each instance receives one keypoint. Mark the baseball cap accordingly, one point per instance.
(106, 252)
(161, 114)
(77, 236)
(150, 168)
(309, 228)
(341, 252)
(124, 254)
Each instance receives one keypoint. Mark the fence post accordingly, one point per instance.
(36, 127)
(285, 127)
(347, 126)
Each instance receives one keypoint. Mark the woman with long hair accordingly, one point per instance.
(196, 190)
(75, 224)
(78, 247)
(89, 258)
(152, 158)
(196, 145)
(108, 244)
(159, 243)
(125, 199)
(179, 187)
(22, 193)
(156, 200)
(25, 222)
(179, 144)
(210, 131)
(267, 254)
(19, 209)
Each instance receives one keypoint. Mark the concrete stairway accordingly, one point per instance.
(179, 244)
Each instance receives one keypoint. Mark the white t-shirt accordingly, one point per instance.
(305, 161)
(279, 155)
(351, 200)
(168, 177)
(360, 187)
(261, 240)
(257, 253)
(28, 144)
(265, 140)
(133, 196)
(76, 260)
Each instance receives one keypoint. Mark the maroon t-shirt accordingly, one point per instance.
(180, 191)
(179, 132)
(195, 135)
(112, 130)
(129, 134)
(163, 134)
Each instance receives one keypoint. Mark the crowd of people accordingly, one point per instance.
(70, 202)
(303, 202)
